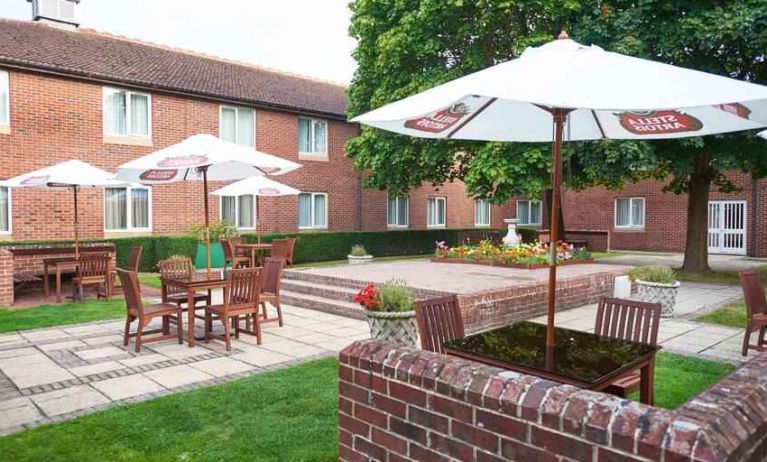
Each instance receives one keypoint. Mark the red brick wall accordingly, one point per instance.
(405, 404)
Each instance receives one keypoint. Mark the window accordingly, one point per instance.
(529, 212)
(5, 113)
(312, 136)
(127, 209)
(435, 212)
(312, 210)
(629, 212)
(61, 10)
(239, 210)
(238, 125)
(127, 113)
(397, 211)
(5, 210)
(482, 212)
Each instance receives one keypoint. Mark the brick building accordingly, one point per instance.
(68, 92)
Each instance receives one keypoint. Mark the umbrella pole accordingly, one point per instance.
(77, 226)
(258, 223)
(207, 220)
(559, 116)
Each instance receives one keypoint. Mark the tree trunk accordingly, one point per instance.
(546, 219)
(696, 246)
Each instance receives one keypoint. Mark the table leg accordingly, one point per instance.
(647, 383)
(190, 311)
(45, 275)
(58, 284)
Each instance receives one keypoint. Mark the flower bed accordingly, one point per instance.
(527, 256)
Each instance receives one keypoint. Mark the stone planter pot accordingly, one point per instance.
(359, 260)
(656, 292)
(400, 327)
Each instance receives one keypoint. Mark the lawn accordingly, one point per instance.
(57, 315)
(288, 415)
(150, 280)
(732, 315)
(717, 277)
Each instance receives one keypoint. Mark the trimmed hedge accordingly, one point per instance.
(310, 247)
(529, 235)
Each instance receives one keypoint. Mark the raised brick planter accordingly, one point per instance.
(508, 265)
(401, 404)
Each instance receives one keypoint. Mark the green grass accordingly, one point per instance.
(716, 277)
(596, 255)
(679, 378)
(732, 315)
(57, 315)
(288, 415)
(150, 280)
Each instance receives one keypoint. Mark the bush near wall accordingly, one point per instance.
(310, 247)
(529, 235)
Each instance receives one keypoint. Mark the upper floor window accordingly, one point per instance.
(127, 113)
(629, 212)
(238, 125)
(482, 212)
(529, 212)
(5, 110)
(397, 211)
(239, 210)
(312, 210)
(435, 212)
(5, 210)
(312, 136)
(127, 209)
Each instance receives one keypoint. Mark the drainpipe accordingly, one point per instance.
(754, 214)
(359, 200)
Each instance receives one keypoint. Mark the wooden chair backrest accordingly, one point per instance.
(630, 320)
(226, 244)
(234, 241)
(131, 291)
(439, 320)
(135, 258)
(93, 265)
(244, 287)
(272, 275)
(753, 292)
(281, 248)
(175, 267)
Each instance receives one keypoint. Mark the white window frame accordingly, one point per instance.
(5, 86)
(311, 125)
(10, 214)
(128, 93)
(489, 206)
(237, 211)
(129, 211)
(631, 215)
(396, 212)
(327, 207)
(428, 210)
(237, 110)
(528, 222)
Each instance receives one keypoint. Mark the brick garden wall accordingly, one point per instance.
(404, 404)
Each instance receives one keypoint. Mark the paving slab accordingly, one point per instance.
(127, 387)
(177, 376)
(103, 352)
(68, 400)
(98, 368)
(221, 367)
(17, 412)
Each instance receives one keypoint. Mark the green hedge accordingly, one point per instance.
(529, 235)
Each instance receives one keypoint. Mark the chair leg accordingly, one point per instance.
(208, 326)
(180, 325)
(141, 324)
(761, 336)
(257, 327)
(236, 326)
(227, 334)
(279, 310)
(126, 336)
(746, 339)
(263, 309)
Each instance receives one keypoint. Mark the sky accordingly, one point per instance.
(308, 37)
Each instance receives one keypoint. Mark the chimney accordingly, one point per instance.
(60, 13)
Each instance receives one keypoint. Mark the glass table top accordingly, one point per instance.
(578, 356)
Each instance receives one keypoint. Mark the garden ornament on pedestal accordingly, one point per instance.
(512, 237)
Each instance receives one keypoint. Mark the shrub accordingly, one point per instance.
(656, 274)
(395, 296)
(358, 251)
(529, 235)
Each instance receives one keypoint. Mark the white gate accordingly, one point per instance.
(727, 227)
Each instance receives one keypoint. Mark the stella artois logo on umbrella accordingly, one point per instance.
(158, 175)
(183, 161)
(440, 120)
(35, 180)
(268, 192)
(657, 122)
(736, 109)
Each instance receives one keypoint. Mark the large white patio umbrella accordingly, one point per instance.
(594, 93)
(203, 157)
(73, 174)
(763, 134)
(259, 186)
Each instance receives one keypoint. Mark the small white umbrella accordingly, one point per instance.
(203, 157)
(763, 134)
(259, 186)
(595, 93)
(74, 174)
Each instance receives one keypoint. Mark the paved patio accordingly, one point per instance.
(55, 374)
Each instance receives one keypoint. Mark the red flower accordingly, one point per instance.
(368, 297)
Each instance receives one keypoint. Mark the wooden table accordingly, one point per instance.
(581, 359)
(254, 250)
(193, 283)
(58, 263)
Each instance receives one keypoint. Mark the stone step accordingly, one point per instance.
(335, 282)
(319, 303)
(338, 293)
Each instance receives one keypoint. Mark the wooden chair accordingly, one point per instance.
(231, 258)
(134, 260)
(271, 280)
(175, 267)
(93, 269)
(235, 241)
(756, 308)
(283, 249)
(145, 314)
(439, 320)
(243, 286)
(630, 320)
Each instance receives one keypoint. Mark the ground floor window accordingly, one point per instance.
(435, 212)
(629, 212)
(529, 212)
(482, 212)
(312, 210)
(5, 210)
(397, 211)
(127, 209)
(239, 210)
